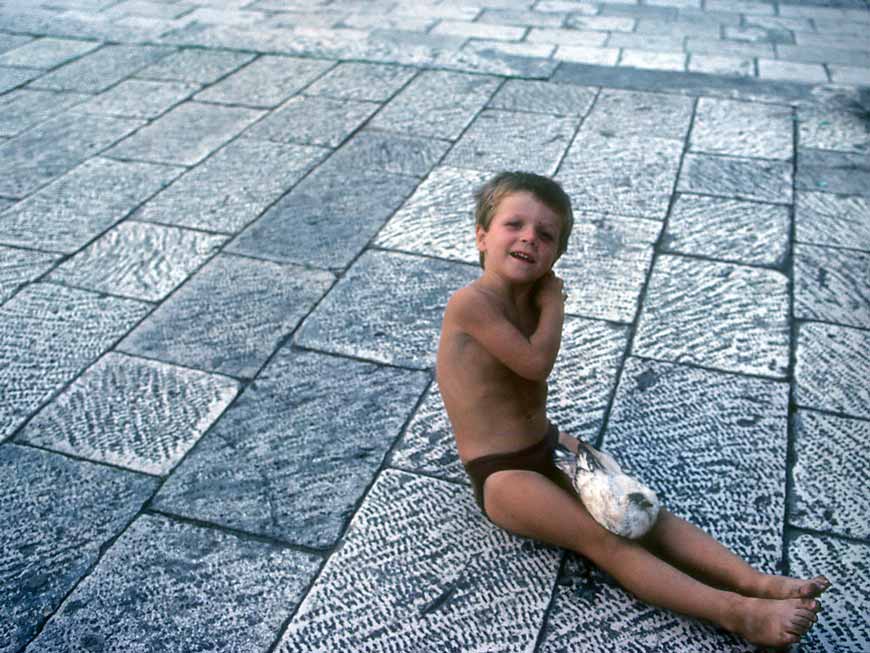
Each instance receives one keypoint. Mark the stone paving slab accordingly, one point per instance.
(11, 78)
(226, 592)
(831, 285)
(393, 153)
(47, 53)
(19, 267)
(230, 316)
(748, 179)
(832, 362)
(57, 514)
(829, 130)
(826, 219)
(842, 627)
(230, 189)
(543, 97)
(628, 114)
(49, 334)
(351, 80)
(24, 108)
(387, 308)
(459, 584)
(74, 209)
(713, 447)
(293, 456)
(140, 98)
(12, 41)
(718, 315)
(196, 66)
(833, 172)
(26, 164)
(742, 129)
(134, 413)
(829, 474)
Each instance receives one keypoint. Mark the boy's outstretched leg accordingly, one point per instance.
(528, 504)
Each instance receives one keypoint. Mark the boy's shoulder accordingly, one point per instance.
(472, 303)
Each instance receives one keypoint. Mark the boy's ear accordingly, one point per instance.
(480, 238)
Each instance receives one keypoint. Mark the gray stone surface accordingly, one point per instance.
(748, 179)
(730, 230)
(49, 334)
(499, 140)
(831, 285)
(327, 219)
(21, 266)
(313, 120)
(199, 66)
(101, 69)
(387, 307)
(830, 473)
(12, 41)
(459, 584)
(10, 78)
(351, 80)
(187, 134)
(606, 264)
(625, 176)
(833, 172)
(230, 316)
(46, 53)
(628, 114)
(266, 82)
(140, 98)
(69, 212)
(139, 260)
(716, 315)
(393, 153)
(825, 219)
(832, 367)
(135, 413)
(26, 163)
(841, 627)
(297, 450)
(834, 130)
(24, 108)
(224, 591)
(437, 104)
(543, 97)
(742, 129)
(57, 513)
(231, 188)
(712, 446)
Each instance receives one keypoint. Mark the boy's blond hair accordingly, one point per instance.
(548, 191)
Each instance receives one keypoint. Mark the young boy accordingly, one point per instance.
(499, 341)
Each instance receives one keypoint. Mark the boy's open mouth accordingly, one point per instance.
(523, 257)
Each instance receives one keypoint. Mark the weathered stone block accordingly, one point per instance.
(21, 266)
(826, 219)
(138, 98)
(362, 81)
(393, 153)
(24, 108)
(196, 65)
(749, 179)
(628, 114)
(831, 285)
(834, 130)
(543, 97)
(103, 68)
(47, 53)
(747, 129)
(833, 172)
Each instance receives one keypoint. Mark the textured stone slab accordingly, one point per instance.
(829, 474)
(198, 66)
(543, 97)
(12, 41)
(266, 82)
(79, 206)
(587, 55)
(313, 120)
(808, 73)
(437, 103)
(833, 172)
(230, 189)
(499, 140)
(135, 413)
(626, 114)
(230, 316)
(438, 219)
(362, 81)
(165, 585)
(341, 417)
(717, 315)
(99, 70)
(831, 285)
(625, 176)
(748, 179)
(47, 53)
(606, 265)
(834, 130)
(459, 584)
(591, 612)
(140, 260)
(832, 367)
(653, 60)
(393, 153)
(327, 219)
(24, 108)
(826, 219)
(12, 77)
(746, 129)
(57, 513)
(49, 334)
(21, 266)
(721, 65)
(731, 230)
(841, 628)
(27, 162)
(187, 134)
(712, 445)
(139, 98)
(388, 307)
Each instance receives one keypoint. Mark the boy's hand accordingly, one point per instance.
(550, 289)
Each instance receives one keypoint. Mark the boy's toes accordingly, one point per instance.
(815, 587)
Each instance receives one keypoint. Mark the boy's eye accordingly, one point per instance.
(546, 236)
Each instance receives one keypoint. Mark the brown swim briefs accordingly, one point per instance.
(536, 458)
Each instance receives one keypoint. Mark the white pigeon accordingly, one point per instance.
(620, 503)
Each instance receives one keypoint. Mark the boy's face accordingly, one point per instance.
(522, 241)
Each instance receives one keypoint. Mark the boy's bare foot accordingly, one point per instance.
(784, 587)
(774, 623)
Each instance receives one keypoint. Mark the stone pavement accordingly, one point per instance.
(228, 230)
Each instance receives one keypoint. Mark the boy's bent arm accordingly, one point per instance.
(530, 357)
